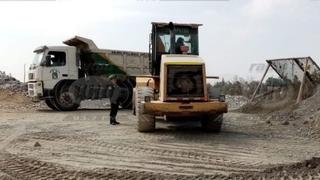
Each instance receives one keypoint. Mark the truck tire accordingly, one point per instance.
(146, 122)
(66, 99)
(126, 100)
(50, 103)
(133, 102)
(212, 122)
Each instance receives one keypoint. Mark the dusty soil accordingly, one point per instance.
(11, 101)
(81, 145)
(37, 143)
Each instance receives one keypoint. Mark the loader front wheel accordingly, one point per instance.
(212, 123)
(146, 122)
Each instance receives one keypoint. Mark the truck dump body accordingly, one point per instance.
(123, 62)
(133, 63)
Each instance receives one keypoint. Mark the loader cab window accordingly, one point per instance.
(186, 38)
(56, 58)
(182, 39)
(163, 42)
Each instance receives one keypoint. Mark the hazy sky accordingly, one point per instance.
(236, 33)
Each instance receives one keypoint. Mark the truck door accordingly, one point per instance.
(55, 69)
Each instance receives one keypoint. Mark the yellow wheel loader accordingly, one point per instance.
(177, 86)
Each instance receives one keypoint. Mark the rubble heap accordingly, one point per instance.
(236, 102)
(308, 169)
(303, 117)
(7, 82)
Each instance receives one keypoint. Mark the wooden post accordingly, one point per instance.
(260, 83)
(299, 98)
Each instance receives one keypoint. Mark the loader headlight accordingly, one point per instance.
(222, 98)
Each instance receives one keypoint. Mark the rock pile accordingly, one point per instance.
(308, 169)
(303, 117)
(7, 82)
(236, 102)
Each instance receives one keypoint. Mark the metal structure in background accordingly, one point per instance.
(294, 70)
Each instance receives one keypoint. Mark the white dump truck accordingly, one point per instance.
(62, 76)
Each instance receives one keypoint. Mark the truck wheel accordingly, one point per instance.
(66, 99)
(50, 103)
(212, 122)
(133, 102)
(126, 95)
(146, 122)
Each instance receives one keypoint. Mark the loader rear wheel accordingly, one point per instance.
(146, 122)
(212, 122)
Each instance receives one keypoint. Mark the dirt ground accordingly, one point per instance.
(43, 144)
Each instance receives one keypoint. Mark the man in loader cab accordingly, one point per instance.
(179, 43)
(180, 46)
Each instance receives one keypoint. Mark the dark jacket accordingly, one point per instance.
(114, 94)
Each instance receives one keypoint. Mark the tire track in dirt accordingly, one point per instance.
(162, 155)
(22, 168)
(26, 168)
(16, 132)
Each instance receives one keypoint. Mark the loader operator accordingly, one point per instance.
(181, 47)
(114, 94)
(178, 45)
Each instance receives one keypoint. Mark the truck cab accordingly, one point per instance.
(51, 64)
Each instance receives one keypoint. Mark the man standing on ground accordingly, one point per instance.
(114, 94)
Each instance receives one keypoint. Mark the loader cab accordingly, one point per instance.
(172, 38)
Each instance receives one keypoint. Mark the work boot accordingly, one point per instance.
(112, 121)
(115, 121)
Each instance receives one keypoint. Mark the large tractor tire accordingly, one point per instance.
(212, 123)
(51, 104)
(66, 99)
(146, 122)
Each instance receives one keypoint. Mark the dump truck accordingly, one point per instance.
(177, 87)
(63, 76)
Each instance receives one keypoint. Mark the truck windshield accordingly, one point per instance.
(37, 58)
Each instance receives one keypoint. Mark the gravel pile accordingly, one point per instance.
(308, 169)
(13, 95)
(11, 84)
(303, 117)
(236, 102)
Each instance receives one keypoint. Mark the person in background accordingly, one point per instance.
(114, 94)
